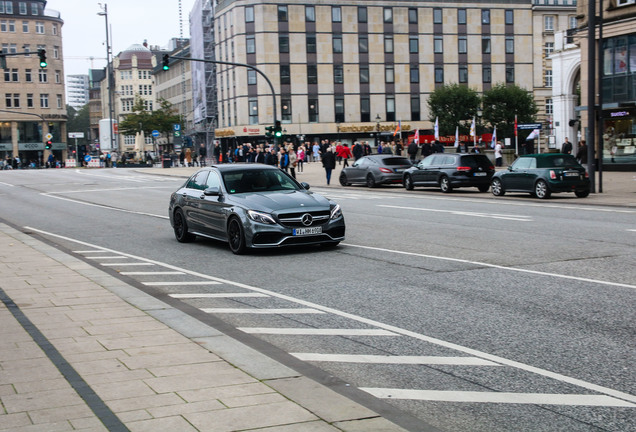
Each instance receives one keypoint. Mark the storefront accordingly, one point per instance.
(619, 138)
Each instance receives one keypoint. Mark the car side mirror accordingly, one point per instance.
(305, 185)
(509, 168)
(212, 191)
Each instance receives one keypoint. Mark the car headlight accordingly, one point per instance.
(260, 217)
(336, 212)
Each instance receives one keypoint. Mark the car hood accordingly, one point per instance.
(281, 200)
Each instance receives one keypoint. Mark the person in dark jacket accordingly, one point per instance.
(412, 150)
(329, 163)
(358, 151)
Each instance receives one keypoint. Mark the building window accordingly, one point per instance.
(29, 99)
(437, 16)
(548, 78)
(338, 74)
(3, 26)
(389, 75)
(388, 15)
(463, 74)
(415, 74)
(572, 22)
(313, 110)
(336, 14)
(310, 14)
(363, 44)
(412, 16)
(548, 23)
(11, 26)
(362, 14)
(485, 44)
(39, 27)
(253, 107)
(56, 52)
(549, 106)
(365, 109)
(59, 101)
(12, 100)
(510, 16)
(415, 108)
(390, 108)
(364, 74)
(6, 7)
(285, 77)
(312, 74)
(282, 13)
(27, 75)
(439, 75)
(250, 45)
(43, 76)
(485, 16)
(337, 44)
(286, 110)
(57, 77)
(339, 109)
(549, 48)
(461, 16)
(510, 73)
(311, 43)
(54, 28)
(34, 9)
(414, 46)
(486, 74)
(510, 45)
(438, 45)
(251, 77)
(388, 44)
(462, 45)
(283, 43)
(249, 14)
(44, 100)
(25, 26)
(23, 8)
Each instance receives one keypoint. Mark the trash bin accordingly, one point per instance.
(166, 160)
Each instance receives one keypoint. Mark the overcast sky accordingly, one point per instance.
(131, 21)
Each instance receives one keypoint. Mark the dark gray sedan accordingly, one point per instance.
(375, 170)
(253, 206)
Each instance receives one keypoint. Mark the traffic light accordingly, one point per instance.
(278, 130)
(269, 131)
(166, 62)
(42, 55)
(48, 144)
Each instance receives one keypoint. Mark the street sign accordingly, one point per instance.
(87, 158)
(177, 133)
(75, 134)
(155, 133)
(49, 136)
(176, 127)
(530, 126)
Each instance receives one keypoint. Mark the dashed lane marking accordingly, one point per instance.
(151, 273)
(387, 359)
(206, 282)
(216, 295)
(519, 218)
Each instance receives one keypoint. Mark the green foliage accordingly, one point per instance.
(454, 105)
(502, 102)
(160, 119)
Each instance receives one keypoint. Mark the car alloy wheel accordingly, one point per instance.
(408, 182)
(541, 190)
(236, 237)
(370, 181)
(497, 188)
(181, 228)
(444, 185)
(343, 179)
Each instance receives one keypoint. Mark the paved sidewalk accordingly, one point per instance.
(82, 350)
(619, 188)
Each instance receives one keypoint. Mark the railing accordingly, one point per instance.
(554, 2)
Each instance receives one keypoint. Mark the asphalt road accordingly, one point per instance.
(469, 314)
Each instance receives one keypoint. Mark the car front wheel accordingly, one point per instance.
(408, 182)
(444, 185)
(497, 188)
(236, 236)
(180, 227)
(541, 190)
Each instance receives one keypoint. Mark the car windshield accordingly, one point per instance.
(396, 161)
(258, 181)
(560, 161)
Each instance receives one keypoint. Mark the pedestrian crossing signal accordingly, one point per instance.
(166, 62)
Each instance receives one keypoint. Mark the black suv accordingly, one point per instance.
(451, 170)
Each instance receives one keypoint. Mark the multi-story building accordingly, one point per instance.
(95, 104)
(77, 87)
(33, 96)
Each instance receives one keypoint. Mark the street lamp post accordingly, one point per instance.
(109, 74)
(377, 129)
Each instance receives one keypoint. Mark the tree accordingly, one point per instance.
(502, 102)
(147, 121)
(454, 105)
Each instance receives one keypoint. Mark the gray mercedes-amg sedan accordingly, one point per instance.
(253, 206)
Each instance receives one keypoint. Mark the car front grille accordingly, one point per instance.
(295, 220)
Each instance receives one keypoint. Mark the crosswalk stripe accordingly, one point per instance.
(496, 397)
(141, 273)
(317, 332)
(263, 311)
(181, 283)
(127, 264)
(107, 257)
(388, 359)
(216, 295)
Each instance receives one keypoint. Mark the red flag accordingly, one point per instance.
(416, 138)
(515, 125)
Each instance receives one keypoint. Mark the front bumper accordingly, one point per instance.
(258, 235)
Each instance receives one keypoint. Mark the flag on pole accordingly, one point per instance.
(515, 124)
(416, 138)
(494, 138)
(472, 128)
(457, 136)
(437, 128)
(398, 128)
(535, 133)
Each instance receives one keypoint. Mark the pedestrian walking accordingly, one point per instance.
(300, 156)
(498, 154)
(329, 163)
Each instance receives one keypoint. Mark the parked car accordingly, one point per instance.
(451, 170)
(375, 170)
(541, 175)
(253, 206)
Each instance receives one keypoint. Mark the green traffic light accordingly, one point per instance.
(42, 55)
(166, 62)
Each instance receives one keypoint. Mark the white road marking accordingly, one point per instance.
(150, 273)
(216, 295)
(126, 264)
(389, 328)
(88, 251)
(51, 195)
(520, 218)
(316, 331)
(262, 311)
(106, 257)
(388, 359)
(498, 397)
(7, 184)
(208, 282)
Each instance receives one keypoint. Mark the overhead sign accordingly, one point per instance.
(529, 126)
(155, 133)
(76, 134)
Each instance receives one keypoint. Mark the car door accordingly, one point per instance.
(530, 174)
(192, 201)
(358, 171)
(419, 175)
(513, 179)
(212, 207)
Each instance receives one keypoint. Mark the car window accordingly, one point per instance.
(198, 181)
(522, 163)
(361, 163)
(475, 161)
(396, 161)
(561, 161)
(426, 162)
(258, 181)
(213, 180)
(448, 160)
